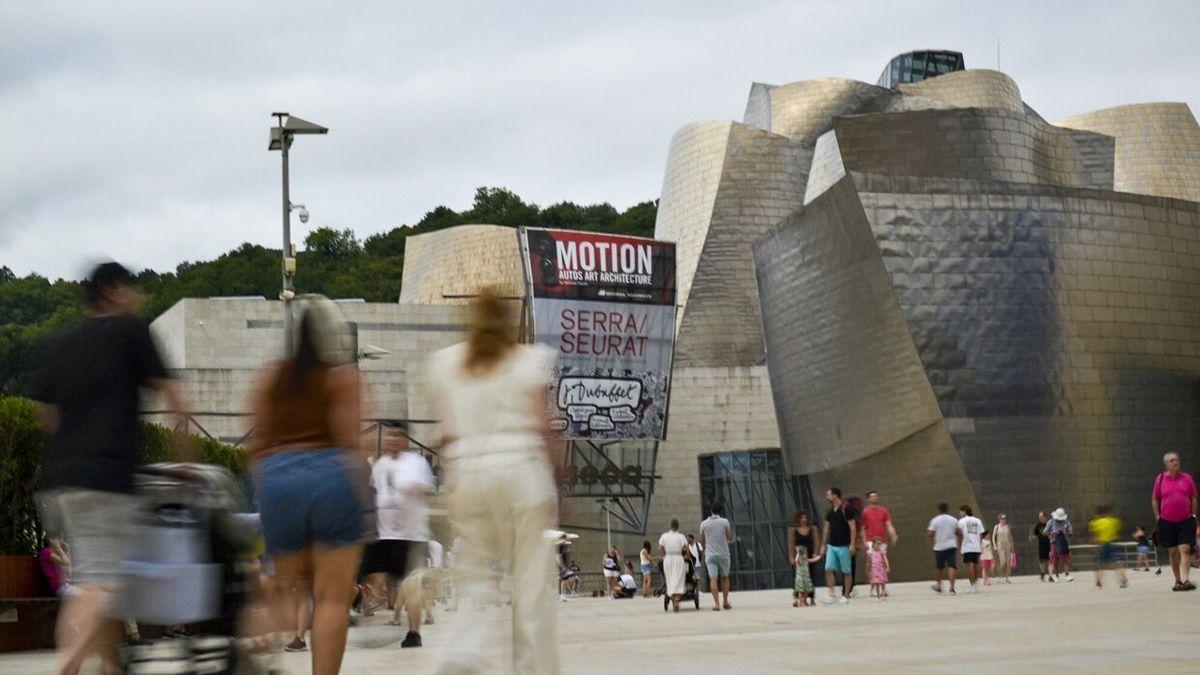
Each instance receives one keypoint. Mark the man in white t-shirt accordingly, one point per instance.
(402, 480)
(970, 531)
(944, 533)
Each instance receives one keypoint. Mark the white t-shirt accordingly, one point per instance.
(628, 582)
(400, 485)
(944, 526)
(673, 542)
(510, 395)
(645, 557)
(986, 553)
(972, 531)
(437, 554)
(695, 549)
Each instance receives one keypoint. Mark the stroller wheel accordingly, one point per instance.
(696, 599)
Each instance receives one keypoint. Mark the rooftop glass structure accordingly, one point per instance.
(917, 66)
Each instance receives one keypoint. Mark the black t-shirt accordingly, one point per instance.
(93, 375)
(839, 524)
(1039, 532)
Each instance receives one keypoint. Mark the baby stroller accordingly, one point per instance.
(188, 567)
(690, 590)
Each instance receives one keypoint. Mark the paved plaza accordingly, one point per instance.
(1026, 627)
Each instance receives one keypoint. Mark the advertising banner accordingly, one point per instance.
(606, 304)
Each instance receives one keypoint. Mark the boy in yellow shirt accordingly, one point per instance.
(1105, 528)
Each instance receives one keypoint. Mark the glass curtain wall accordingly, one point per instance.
(760, 499)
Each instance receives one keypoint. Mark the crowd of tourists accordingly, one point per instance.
(828, 555)
(343, 530)
(337, 527)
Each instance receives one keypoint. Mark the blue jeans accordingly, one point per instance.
(309, 497)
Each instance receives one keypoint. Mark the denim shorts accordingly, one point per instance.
(314, 497)
(646, 568)
(717, 564)
(837, 559)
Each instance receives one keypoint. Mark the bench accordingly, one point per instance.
(28, 609)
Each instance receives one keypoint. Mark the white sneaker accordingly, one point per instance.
(1070, 578)
(843, 600)
(827, 600)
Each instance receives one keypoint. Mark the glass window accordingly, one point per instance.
(760, 499)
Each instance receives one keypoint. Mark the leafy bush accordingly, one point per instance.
(21, 445)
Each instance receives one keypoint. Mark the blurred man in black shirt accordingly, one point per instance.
(89, 389)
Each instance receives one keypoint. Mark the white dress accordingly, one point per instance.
(674, 566)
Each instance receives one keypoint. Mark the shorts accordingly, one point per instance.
(1143, 550)
(396, 557)
(717, 564)
(1043, 550)
(1109, 554)
(971, 557)
(646, 568)
(947, 557)
(313, 497)
(1172, 534)
(987, 564)
(612, 574)
(97, 526)
(837, 559)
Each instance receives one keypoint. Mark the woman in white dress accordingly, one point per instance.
(501, 493)
(672, 545)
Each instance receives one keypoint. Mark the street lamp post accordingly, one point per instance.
(281, 139)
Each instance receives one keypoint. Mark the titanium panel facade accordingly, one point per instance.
(1158, 147)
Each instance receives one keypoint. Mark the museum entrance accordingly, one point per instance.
(760, 499)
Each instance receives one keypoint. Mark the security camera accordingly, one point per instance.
(303, 215)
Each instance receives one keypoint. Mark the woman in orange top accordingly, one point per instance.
(311, 478)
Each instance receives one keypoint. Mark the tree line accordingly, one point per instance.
(334, 262)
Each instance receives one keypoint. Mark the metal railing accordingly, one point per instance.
(1086, 556)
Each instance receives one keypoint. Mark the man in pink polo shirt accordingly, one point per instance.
(1174, 502)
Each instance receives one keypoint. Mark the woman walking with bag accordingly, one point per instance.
(1002, 545)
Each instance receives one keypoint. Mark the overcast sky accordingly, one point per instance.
(138, 131)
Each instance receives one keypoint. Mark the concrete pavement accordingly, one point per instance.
(1024, 627)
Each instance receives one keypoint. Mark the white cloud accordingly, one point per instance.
(138, 130)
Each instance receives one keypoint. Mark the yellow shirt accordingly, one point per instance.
(1105, 529)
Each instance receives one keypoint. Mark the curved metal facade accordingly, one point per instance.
(1158, 147)
(460, 261)
(970, 89)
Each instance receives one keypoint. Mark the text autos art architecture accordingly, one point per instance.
(606, 304)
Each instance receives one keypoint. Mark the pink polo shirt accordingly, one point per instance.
(1174, 496)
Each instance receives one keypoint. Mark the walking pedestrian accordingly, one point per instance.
(1059, 530)
(803, 543)
(1143, 548)
(880, 566)
(311, 477)
(839, 536)
(499, 476)
(1175, 507)
(1038, 533)
(715, 535)
(671, 546)
(1003, 548)
(987, 558)
(945, 535)
(647, 569)
(877, 522)
(403, 481)
(970, 543)
(89, 394)
(697, 553)
(1106, 528)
